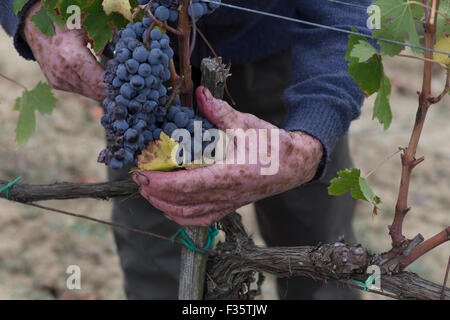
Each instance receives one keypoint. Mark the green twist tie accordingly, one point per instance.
(368, 284)
(187, 242)
(8, 186)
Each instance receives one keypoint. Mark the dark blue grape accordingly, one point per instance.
(142, 97)
(155, 56)
(155, 45)
(189, 111)
(133, 44)
(134, 107)
(132, 66)
(117, 83)
(181, 119)
(149, 106)
(140, 54)
(169, 52)
(162, 13)
(154, 95)
(150, 81)
(169, 128)
(164, 43)
(127, 91)
(157, 133)
(121, 72)
(131, 135)
(128, 33)
(176, 101)
(123, 55)
(122, 101)
(148, 136)
(173, 15)
(147, 21)
(137, 82)
(199, 11)
(157, 69)
(172, 111)
(140, 126)
(120, 113)
(144, 70)
(120, 126)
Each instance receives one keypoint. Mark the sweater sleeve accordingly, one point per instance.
(12, 23)
(324, 99)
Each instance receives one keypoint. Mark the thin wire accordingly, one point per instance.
(273, 15)
(349, 4)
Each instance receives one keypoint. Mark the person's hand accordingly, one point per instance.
(64, 59)
(202, 196)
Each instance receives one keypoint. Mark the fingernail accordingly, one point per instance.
(140, 179)
(208, 94)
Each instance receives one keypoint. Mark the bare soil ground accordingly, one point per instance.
(36, 247)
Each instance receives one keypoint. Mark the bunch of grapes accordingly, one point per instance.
(137, 106)
(166, 10)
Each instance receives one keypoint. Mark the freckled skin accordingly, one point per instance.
(202, 196)
(65, 60)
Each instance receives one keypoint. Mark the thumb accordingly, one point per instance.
(218, 111)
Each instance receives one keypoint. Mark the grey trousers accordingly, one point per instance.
(302, 216)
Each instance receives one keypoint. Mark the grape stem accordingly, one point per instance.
(184, 34)
(13, 81)
(161, 24)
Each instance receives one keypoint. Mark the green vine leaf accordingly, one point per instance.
(382, 108)
(366, 67)
(443, 26)
(398, 22)
(99, 25)
(363, 51)
(53, 13)
(368, 74)
(18, 5)
(43, 22)
(351, 180)
(39, 99)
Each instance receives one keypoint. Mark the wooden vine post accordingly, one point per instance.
(193, 265)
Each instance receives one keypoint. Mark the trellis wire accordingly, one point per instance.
(322, 26)
(348, 4)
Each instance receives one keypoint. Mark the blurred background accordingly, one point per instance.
(36, 247)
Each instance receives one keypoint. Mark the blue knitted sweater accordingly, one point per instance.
(323, 99)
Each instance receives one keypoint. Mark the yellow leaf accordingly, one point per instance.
(443, 45)
(159, 155)
(120, 6)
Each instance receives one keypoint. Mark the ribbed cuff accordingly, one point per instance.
(322, 122)
(19, 43)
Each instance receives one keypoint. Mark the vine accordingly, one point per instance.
(402, 23)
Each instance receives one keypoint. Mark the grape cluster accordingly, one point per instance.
(137, 106)
(166, 10)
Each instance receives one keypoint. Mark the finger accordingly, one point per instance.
(195, 198)
(223, 115)
(189, 210)
(184, 181)
(202, 221)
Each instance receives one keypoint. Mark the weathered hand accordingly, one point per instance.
(202, 196)
(65, 60)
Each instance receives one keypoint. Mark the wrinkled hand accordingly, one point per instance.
(65, 60)
(202, 196)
